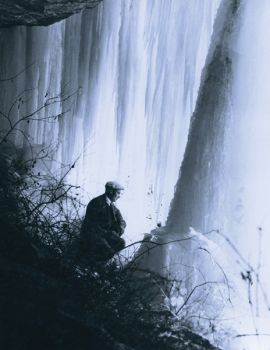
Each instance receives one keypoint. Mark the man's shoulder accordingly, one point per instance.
(98, 200)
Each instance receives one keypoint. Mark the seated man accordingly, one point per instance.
(103, 225)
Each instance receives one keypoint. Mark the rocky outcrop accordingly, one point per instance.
(40, 12)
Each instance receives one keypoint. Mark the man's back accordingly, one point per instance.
(103, 215)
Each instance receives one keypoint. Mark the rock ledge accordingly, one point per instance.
(40, 12)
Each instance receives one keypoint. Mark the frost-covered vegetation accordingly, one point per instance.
(50, 297)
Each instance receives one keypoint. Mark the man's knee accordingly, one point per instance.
(117, 244)
(122, 244)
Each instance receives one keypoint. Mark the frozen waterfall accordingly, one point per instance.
(143, 87)
(135, 68)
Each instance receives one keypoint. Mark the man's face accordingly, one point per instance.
(115, 194)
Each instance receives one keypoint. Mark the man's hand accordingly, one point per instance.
(106, 244)
(114, 234)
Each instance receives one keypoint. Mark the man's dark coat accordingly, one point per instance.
(102, 227)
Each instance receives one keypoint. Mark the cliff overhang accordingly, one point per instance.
(40, 12)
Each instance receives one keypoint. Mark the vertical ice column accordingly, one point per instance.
(31, 65)
(199, 199)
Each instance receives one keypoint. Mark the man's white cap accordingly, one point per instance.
(114, 185)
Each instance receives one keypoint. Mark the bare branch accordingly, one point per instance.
(252, 335)
(191, 293)
(16, 75)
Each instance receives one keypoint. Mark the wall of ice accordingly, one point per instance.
(134, 67)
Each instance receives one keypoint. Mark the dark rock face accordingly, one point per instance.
(40, 12)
